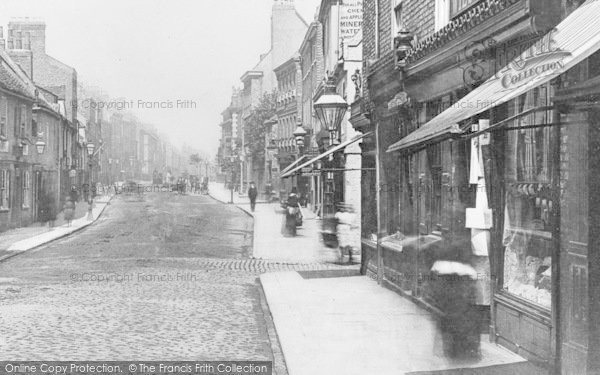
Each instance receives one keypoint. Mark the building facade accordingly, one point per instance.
(287, 31)
(289, 116)
(473, 154)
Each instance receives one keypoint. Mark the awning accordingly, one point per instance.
(326, 153)
(573, 40)
(294, 163)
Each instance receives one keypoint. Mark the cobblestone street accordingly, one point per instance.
(159, 276)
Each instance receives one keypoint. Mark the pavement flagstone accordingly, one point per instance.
(351, 325)
(18, 240)
(269, 243)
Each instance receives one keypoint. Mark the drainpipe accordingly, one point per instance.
(378, 200)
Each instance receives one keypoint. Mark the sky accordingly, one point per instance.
(147, 51)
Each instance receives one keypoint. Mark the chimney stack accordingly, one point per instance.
(27, 34)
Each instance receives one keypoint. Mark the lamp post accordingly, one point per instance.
(299, 135)
(331, 109)
(402, 45)
(90, 151)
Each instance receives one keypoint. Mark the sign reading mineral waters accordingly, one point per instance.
(351, 17)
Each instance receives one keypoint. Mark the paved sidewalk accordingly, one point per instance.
(269, 243)
(350, 325)
(23, 239)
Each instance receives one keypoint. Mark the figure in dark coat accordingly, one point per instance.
(289, 229)
(252, 193)
(454, 293)
(47, 209)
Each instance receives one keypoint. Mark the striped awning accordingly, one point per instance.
(573, 40)
(332, 150)
(303, 157)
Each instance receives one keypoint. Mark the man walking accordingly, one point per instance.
(252, 193)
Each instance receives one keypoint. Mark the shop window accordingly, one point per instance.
(594, 65)
(527, 237)
(434, 156)
(4, 189)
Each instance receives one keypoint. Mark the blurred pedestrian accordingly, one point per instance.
(454, 292)
(346, 225)
(252, 194)
(69, 210)
(47, 209)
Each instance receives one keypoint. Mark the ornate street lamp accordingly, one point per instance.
(402, 45)
(299, 135)
(331, 108)
(40, 146)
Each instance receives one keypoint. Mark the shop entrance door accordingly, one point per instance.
(574, 232)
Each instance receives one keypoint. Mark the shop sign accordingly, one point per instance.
(351, 18)
(542, 58)
(399, 100)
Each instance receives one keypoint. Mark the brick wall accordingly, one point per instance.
(385, 26)
(419, 16)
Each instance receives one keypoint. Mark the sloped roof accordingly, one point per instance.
(12, 79)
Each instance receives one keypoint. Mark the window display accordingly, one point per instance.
(527, 236)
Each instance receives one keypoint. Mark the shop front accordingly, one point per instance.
(532, 133)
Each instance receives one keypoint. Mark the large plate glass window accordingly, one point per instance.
(527, 236)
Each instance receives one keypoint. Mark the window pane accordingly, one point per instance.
(528, 208)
